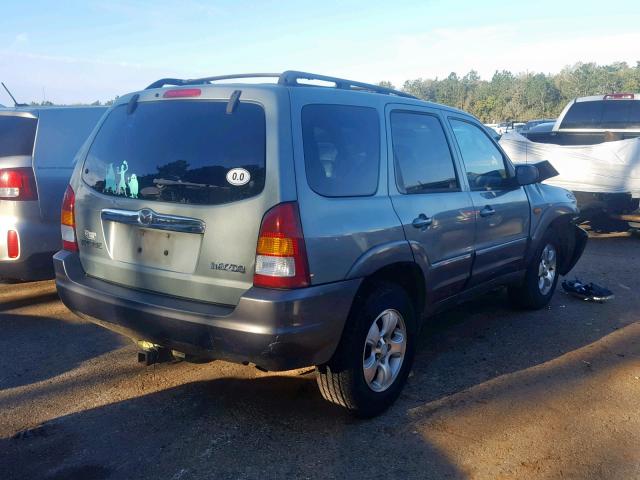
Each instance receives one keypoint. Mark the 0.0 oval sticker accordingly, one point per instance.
(238, 176)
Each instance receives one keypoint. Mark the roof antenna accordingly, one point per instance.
(15, 104)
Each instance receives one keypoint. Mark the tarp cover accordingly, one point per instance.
(610, 167)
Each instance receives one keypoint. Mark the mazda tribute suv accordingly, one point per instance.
(310, 221)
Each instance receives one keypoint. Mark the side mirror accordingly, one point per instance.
(527, 174)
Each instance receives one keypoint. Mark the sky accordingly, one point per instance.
(82, 51)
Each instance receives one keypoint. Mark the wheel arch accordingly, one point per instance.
(572, 239)
(406, 274)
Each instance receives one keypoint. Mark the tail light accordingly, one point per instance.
(182, 93)
(17, 184)
(13, 244)
(68, 221)
(281, 257)
(619, 96)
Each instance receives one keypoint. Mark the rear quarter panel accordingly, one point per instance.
(340, 231)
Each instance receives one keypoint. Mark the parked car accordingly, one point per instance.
(532, 124)
(37, 145)
(595, 144)
(287, 225)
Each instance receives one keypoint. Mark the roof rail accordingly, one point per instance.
(290, 78)
(167, 82)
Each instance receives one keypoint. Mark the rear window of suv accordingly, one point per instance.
(341, 149)
(599, 114)
(182, 151)
(17, 135)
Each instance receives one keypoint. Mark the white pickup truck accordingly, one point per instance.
(595, 146)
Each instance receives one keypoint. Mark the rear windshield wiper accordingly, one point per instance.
(165, 182)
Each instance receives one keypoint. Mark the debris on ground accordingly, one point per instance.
(589, 292)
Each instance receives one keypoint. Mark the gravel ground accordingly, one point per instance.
(494, 394)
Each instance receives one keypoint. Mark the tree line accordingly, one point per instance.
(516, 97)
(524, 96)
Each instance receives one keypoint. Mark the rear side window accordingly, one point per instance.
(17, 135)
(423, 161)
(614, 114)
(341, 149)
(621, 114)
(181, 151)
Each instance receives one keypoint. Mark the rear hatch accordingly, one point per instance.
(174, 187)
(18, 195)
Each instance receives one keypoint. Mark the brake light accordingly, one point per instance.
(13, 244)
(68, 221)
(182, 93)
(619, 96)
(17, 184)
(281, 256)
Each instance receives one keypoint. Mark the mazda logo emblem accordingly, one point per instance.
(145, 216)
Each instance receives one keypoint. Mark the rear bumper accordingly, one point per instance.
(590, 202)
(38, 242)
(38, 266)
(274, 329)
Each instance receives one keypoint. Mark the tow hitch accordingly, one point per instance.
(152, 354)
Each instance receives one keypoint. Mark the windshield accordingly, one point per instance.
(17, 135)
(602, 114)
(182, 151)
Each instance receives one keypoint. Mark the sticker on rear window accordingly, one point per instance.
(238, 176)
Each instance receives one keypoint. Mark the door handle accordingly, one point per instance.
(487, 211)
(422, 222)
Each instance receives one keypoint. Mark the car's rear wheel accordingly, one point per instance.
(541, 277)
(375, 354)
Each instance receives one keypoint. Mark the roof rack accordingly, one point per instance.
(290, 78)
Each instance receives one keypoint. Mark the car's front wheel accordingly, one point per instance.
(541, 277)
(375, 354)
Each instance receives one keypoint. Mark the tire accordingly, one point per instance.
(534, 294)
(342, 380)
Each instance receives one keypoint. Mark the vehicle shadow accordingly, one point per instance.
(604, 224)
(27, 301)
(279, 427)
(481, 362)
(35, 348)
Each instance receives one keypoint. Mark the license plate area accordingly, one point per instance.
(165, 250)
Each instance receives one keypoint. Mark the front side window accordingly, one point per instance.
(483, 161)
(423, 161)
(182, 151)
(341, 149)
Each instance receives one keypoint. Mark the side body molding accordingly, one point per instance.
(380, 256)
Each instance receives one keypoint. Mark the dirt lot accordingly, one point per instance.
(494, 394)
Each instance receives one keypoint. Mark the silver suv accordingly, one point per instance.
(290, 224)
(37, 146)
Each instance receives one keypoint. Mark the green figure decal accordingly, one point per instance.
(133, 185)
(122, 184)
(110, 180)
